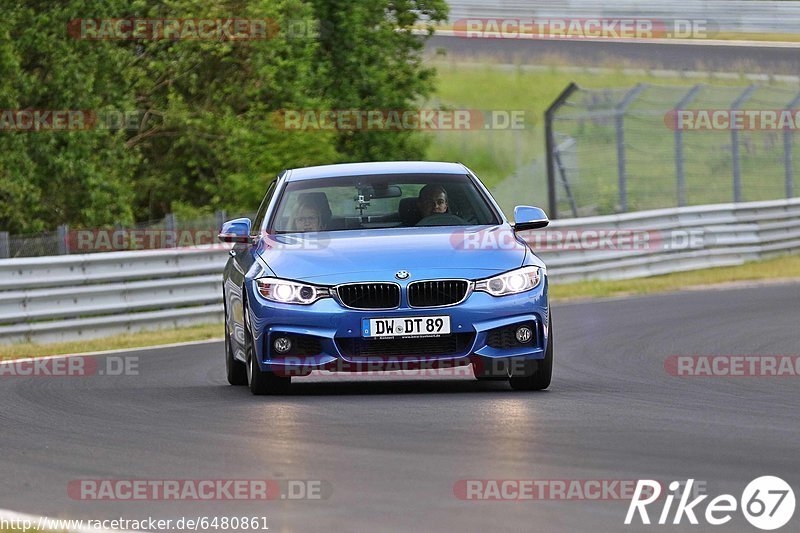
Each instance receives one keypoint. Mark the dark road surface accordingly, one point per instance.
(391, 450)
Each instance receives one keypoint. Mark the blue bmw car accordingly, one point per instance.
(384, 266)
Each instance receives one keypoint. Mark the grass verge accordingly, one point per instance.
(786, 267)
(128, 340)
(781, 268)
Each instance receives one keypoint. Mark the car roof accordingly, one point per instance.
(375, 168)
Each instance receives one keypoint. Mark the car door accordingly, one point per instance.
(243, 255)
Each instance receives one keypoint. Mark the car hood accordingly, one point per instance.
(334, 257)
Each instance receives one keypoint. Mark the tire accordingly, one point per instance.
(236, 370)
(540, 378)
(260, 382)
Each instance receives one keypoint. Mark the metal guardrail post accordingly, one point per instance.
(550, 146)
(737, 168)
(788, 156)
(5, 245)
(619, 122)
(679, 172)
(62, 234)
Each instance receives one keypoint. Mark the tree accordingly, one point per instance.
(212, 142)
(371, 59)
(203, 135)
(52, 177)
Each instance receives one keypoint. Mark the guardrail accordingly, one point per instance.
(73, 297)
(50, 299)
(735, 16)
(681, 239)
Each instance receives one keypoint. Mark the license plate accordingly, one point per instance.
(413, 326)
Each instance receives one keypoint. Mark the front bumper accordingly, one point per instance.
(333, 326)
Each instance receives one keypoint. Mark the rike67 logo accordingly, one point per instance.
(767, 503)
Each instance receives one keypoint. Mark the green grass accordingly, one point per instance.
(495, 155)
(128, 340)
(780, 268)
(786, 267)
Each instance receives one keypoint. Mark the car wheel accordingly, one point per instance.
(261, 382)
(539, 379)
(236, 370)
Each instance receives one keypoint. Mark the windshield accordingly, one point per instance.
(381, 201)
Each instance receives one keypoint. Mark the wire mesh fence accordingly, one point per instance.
(649, 147)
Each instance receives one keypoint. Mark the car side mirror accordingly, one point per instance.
(527, 217)
(236, 230)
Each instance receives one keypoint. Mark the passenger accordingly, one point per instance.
(307, 216)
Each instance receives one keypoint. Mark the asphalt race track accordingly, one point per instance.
(700, 57)
(391, 450)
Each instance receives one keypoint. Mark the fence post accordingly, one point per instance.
(562, 171)
(619, 121)
(222, 216)
(679, 172)
(169, 231)
(62, 234)
(737, 169)
(5, 248)
(788, 156)
(550, 146)
(788, 139)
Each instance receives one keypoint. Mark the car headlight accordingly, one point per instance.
(514, 282)
(290, 292)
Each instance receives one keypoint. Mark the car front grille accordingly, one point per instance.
(436, 293)
(369, 295)
(455, 345)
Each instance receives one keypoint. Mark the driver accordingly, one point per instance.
(432, 200)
